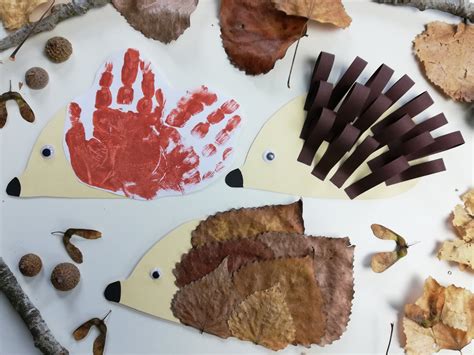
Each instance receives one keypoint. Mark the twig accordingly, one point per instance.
(461, 8)
(44, 340)
(59, 13)
(389, 340)
(305, 28)
(12, 56)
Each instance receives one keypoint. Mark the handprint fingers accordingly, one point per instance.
(145, 104)
(129, 75)
(202, 128)
(190, 105)
(103, 97)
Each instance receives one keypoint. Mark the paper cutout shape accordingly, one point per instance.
(346, 125)
(314, 274)
(132, 135)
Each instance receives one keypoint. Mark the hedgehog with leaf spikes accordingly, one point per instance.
(249, 273)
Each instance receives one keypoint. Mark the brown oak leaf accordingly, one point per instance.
(333, 260)
(264, 318)
(446, 52)
(297, 282)
(162, 20)
(255, 34)
(325, 11)
(443, 318)
(249, 222)
(202, 260)
(206, 304)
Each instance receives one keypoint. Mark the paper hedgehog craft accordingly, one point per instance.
(348, 135)
(132, 135)
(249, 273)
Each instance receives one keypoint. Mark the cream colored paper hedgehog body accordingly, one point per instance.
(248, 273)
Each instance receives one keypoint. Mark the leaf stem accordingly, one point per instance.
(390, 339)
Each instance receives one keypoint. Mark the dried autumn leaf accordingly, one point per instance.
(445, 52)
(461, 250)
(263, 318)
(162, 20)
(443, 318)
(325, 11)
(15, 13)
(333, 260)
(201, 261)
(382, 261)
(249, 222)
(205, 304)
(255, 34)
(297, 282)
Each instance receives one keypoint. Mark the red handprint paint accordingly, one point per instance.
(143, 141)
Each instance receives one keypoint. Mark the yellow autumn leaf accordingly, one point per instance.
(264, 318)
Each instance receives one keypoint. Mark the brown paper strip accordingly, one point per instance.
(377, 83)
(411, 108)
(322, 94)
(336, 150)
(410, 146)
(382, 174)
(350, 108)
(360, 154)
(346, 81)
(318, 132)
(418, 170)
(322, 69)
(372, 113)
(427, 125)
(400, 88)
(395, 130)
(440, 144)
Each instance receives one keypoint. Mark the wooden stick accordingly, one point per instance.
(59, 13)
(43, 339)
(461, 8)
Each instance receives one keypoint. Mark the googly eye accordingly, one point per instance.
(47, 151)
(155, 274)
(268, 156)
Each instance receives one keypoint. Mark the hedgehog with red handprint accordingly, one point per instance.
(141, 140)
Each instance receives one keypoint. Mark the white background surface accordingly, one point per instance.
(378, 34)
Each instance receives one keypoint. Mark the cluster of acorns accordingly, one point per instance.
(58, 50)
(65, 276)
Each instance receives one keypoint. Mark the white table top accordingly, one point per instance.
(379, 34)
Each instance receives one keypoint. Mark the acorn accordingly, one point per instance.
(30, 265)
(58, 49)
(36, 78)
(65, 276)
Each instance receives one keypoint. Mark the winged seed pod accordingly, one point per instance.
(71, 249)
(83, 330)
(382, 261)
(25, 110)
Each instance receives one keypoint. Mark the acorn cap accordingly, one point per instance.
(65, 276)
(30, 265)
(58, 49)
(36, 78)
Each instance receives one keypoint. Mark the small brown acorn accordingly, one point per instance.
(58, 49)
(65, 276)
(36, 78)
(30, 265)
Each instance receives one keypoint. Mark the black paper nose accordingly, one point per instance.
(235, 178)
(112, 292)
(14, 187)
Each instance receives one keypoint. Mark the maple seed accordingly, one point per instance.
(382, 261)
(71, 249)
(83, 330)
